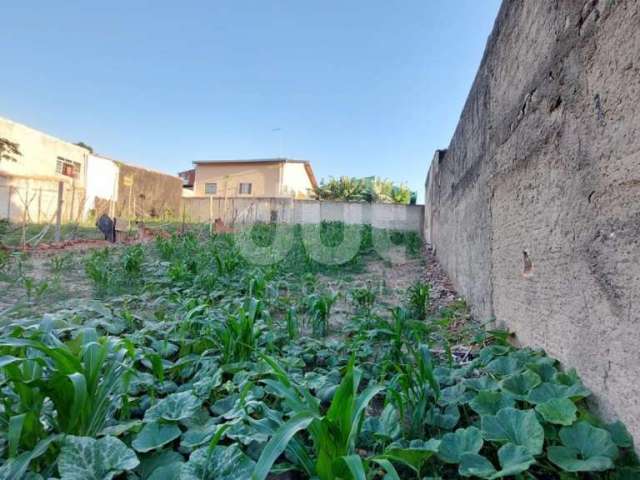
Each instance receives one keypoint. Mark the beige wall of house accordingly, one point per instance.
(42, 155)
(264, 179)
(267, 179)
(295, 180)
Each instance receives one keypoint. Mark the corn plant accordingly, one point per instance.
(60, 263)
(419, 299)
(132, 260)
(83, 382)
(364, 298)
(4, 259)
(293, 325)
(416, 393)
(320, 311)
(98, 268)
(238, 336)
(333, 433)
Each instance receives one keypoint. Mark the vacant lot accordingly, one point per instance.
(183, 359)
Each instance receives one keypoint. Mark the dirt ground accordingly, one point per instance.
(391, 281)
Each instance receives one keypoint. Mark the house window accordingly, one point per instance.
(210, 188)
(245, 189)
(67, 167)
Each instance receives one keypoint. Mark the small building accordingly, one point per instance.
(271, 177)
(35, 168)
(42, 155)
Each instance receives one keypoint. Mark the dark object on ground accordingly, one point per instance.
(220, 227)
(107, 226)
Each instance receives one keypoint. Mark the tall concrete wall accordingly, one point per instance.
(145, 192)
(534, 209)
(236, 211)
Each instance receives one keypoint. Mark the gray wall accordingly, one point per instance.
(236, 211)
(145, 192)
(546, 160)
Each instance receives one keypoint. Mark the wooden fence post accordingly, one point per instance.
(9, 204)
(39, 204)
(73, 201)
(58, 235)
(183, 216)
(210, 214)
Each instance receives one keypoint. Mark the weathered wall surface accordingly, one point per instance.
(546, 160)
(236, 211)
(146, 192)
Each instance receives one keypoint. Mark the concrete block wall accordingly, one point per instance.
(235, 211)
(534, 209)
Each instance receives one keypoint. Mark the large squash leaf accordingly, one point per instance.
(520, 384)
(458, 443)
(84, 458)
(549, 391)
(490, 403)
(505, 366)
(560, 411)
(414, 455)
(585, 449)
(619, 434)
(155, 435)
(198, 435)
(221, 463)
(513, 460)
(158, 463)
(482, 383)
(519, 427)
(173, 408)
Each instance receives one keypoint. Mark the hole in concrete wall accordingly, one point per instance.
(528, 264)
(600, 116)
(591, 195)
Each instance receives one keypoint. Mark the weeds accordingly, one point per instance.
(60, 263)
(364, 299)
(98, 269)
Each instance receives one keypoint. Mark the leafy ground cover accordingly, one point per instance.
(182, 360)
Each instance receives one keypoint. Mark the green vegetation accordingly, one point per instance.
(196, 364)
(348, 189)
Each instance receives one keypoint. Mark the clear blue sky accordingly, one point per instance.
(359, 87)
